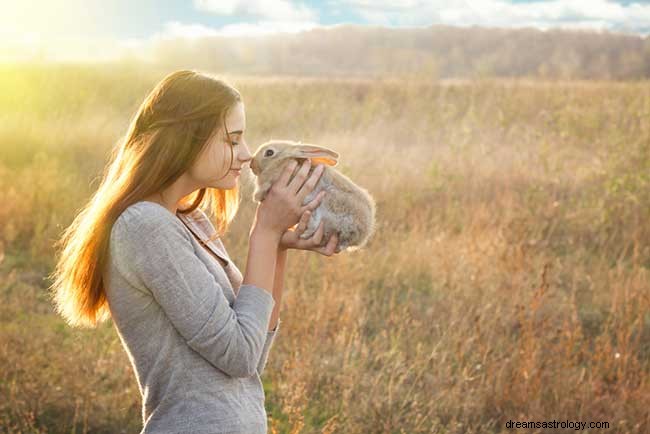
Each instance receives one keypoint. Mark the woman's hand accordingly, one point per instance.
(282, 207)
(291, 238)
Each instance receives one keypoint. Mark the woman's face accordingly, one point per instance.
(214, 161)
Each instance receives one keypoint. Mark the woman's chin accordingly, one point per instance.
(224, 185)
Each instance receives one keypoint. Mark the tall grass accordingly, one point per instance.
(508, 278)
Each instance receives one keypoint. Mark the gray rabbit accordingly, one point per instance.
(346, 209)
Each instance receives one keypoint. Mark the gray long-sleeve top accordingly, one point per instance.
(196, 346)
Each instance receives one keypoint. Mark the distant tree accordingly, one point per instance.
(434, 52)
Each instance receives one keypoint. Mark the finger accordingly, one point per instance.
(304, 220)
(316, 201)
(300, 177)
(286, 173)
(329, 248)
(310, 183)
(331, 244)
(317, 238)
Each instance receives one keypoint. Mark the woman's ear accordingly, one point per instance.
(317, 154)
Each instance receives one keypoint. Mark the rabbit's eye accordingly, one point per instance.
(268, 153)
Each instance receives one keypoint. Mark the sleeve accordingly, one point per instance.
(158, 253)
(268, 343)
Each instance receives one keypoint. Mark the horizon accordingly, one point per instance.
(77, 30)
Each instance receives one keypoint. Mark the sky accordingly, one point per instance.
(78, 28)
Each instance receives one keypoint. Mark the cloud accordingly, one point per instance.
(174, 29)
(271, 10)
(594, 14)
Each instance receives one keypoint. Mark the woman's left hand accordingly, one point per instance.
(291, 238)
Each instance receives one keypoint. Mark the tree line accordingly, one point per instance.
(433, 52)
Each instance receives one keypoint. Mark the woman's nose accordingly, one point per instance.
(246, 155)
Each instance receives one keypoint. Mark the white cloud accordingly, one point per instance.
(31, 47)
(595, 14)
(173, 30)
(266, 28)
(273, 10)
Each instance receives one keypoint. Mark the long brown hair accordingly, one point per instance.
(170, 129)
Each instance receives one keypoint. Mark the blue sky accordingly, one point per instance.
(86, 25)
(124, 19)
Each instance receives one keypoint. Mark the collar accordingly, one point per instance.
(201, 226)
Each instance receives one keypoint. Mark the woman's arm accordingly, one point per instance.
(272, 218)
(274, 321)
(266, 264)
(278, 286)
(154, 252)
(262, 257)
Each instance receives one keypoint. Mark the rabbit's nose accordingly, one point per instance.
(254, 167)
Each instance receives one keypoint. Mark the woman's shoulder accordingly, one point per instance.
(146, 208)
(146, 215)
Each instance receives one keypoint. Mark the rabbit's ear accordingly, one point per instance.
(317, 154)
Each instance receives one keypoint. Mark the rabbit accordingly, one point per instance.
(346, 208)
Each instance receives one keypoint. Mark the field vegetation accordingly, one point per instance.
(509, 277)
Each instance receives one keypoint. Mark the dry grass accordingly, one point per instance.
(508, 280)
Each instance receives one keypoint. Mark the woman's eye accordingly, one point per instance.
(234, 143)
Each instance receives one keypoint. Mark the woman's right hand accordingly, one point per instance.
(282, 207)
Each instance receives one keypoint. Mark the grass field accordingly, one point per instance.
(508, 278)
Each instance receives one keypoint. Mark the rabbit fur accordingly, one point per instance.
(346, 208)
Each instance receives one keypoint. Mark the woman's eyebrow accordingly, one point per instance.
(235, 132)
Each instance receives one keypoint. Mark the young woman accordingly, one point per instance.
(144, 253)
